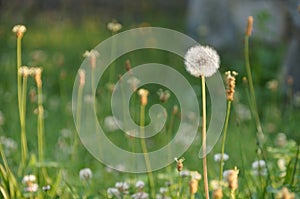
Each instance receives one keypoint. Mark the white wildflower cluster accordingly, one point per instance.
(120, 189)
(9, 145)
(30, 183)
(218, 157)
(202, 61)
(85, 174)
(259, 168)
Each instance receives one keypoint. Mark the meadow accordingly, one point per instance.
(37, 104)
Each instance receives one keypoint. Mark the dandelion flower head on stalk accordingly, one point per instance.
(85, 174)
(19, 30)
(202, 61)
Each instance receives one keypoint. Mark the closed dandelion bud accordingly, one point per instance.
(230, 82)
(232, 178)
(217, 193)
(193, 186)
(249, 26)
(143, 93)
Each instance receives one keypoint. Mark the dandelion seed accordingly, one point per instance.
(85, 174)
(19, 30)
(218, 157)
(202, 61)
(114, 26)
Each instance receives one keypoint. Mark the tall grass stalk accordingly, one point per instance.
(145, 152)
(205, 177)
(24, 152)
(224, 139)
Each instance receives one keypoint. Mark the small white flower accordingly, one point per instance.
(195, 175)
(218, 156)
(202, 60)
(259, 164)
(139, 184)
(163, 190)
(114, 26)
(140, 195)
(32, 188)
(85, 174)
(184, 173)
(260, 172)
(29, 179)
(110, 123)
(113, 192)
(122, 186)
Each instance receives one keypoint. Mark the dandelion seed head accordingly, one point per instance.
(202, 61)
(85, 174)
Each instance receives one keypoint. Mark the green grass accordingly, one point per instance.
(58, 48)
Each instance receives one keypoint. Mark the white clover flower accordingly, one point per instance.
(32, 188)
(184, 173)
(110, 123)
(218, 156)
(28, 179)
(163, 190)
(139, 184)
(259, 164)
(122, 186)
(195, 175)
(140, 195)
(113, 192)
(85, 174)
(202, 61)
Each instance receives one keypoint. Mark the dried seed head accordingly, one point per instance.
(249, 26)
(38, 76)
(19, 30)
(232, 178)
(127, 65)
(92, 55)
(193, 186)
(143, 93)
(202, 61)
(81, 74)
(217, 193)
(179, 165)
(230, 82)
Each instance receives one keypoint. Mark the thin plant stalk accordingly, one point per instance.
(24, 152)
(41, 139)
(19, 64)
(224, 139)
(169, 132)
(205, 178)
(179, 186)
(145, 152)
(252, 102)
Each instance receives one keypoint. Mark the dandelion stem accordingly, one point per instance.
(145, 152)
(224, 139)
(252, 102)
(41, 140)
(205, 178)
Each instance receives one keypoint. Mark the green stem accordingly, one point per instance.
(112, 70)
(224, 139)
(41, 140)
(251, 87)
(23, 123)
(145, 152)
(19, 63)
(205, 178)
(179, 186)
(232, 194)
(169, 135)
